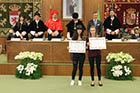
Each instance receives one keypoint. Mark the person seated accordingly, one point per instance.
(136, 34)
(11, 34)
(72, 25)
(112, 25)
(54, 25)
(125, 34)
(20, 30)
(37, 27)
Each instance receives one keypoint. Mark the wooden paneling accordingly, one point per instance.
(88, 7)
(3, 43)
(56, 52)
(65, 70)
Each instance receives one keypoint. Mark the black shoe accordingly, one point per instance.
(92, 85)
(101, 85)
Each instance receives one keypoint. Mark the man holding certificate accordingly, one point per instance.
(78, 48)
(94, 52)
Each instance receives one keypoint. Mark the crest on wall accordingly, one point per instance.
(130, 16)
(128, 13)
(14, 13)
(10, 11)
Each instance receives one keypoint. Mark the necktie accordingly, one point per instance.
(95, 22)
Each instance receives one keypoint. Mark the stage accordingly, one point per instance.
(57, 60)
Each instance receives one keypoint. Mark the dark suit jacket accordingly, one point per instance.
(99, 26)
(21, 28)
(135, 37)
(33, 27)
(70, 26)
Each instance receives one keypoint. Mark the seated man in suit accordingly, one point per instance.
(95, 22)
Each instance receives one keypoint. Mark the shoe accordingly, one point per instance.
(72, 83)
(79, 83)
(92, 85)
(100, 84)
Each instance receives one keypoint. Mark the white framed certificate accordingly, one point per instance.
(77, 46)
(97, 43)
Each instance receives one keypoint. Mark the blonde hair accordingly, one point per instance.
(90, 29)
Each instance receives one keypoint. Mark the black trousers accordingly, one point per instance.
(41, 36)
(110, 37)
(50, 36)
(78, 58)
(98, 66)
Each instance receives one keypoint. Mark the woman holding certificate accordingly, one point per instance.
(78, 58)
(94, 54)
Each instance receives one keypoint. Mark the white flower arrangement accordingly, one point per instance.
(30, 68)
(20, 68)
(120, 57)
(119, 67)
(127, 70)
(117, 71)
(31, 55)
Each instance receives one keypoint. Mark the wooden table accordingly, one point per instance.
(57, 53)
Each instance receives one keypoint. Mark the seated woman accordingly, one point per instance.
(21, 28)
(136, 34)
(125, 34)
(54, 25)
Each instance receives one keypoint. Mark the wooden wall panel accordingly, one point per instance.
(57, 52)
(59, 70)
(3, 43)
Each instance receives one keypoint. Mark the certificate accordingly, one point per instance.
(77, 46)
(97, 43)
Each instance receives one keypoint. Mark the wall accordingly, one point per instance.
(88, 7)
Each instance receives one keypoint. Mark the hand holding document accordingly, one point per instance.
(97, 43)
(77, 46)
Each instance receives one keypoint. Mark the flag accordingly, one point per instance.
(99, 18)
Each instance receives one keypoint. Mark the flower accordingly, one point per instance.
(119, 57)
(30, 68)
(127, 70)
(31, 55)
(20, 68)
(117, 71)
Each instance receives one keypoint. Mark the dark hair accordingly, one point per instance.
(22, 15)
(37, 14)
(111, 9)
(125, 27)
(18, 23)
(75, 34)
(75, 15)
